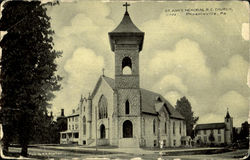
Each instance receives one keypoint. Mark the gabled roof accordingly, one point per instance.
(158, 106)
(109, 81)
(210, 126)
(150, 104)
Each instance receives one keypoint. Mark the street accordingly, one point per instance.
(39, 153)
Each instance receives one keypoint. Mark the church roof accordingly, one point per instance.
(126, 29)
(150, 100)
(210, 126)
(110, 82)
(150, 104)
(126, 26)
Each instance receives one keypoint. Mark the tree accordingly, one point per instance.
(184, 107)
(27, 69)
(244, 132)
(236, 135)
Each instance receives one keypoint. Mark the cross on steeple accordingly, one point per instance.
(126, 5)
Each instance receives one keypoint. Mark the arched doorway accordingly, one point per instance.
(127, 129)
(102, 132)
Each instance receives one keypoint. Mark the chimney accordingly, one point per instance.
(62, 112)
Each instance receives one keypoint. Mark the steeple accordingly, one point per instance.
(126, 26)
(228, 115)
(127, 29)
(126, 42)
(229, 128)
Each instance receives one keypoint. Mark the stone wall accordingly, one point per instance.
(168, 137)
(176, 132)
(133, 96)
(148, 135)
(127, 81)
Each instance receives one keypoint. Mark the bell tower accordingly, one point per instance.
(126, 41)
(229, 128)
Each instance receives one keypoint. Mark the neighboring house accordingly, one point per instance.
(71, 135)
(120, 113)
(222, 132)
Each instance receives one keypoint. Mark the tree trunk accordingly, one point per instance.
(24, 151)
(5, 148)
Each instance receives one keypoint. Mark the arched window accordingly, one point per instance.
(84, 125)
(180, 127)
(127, 107)
(126, 66)
(173, 127)
(165, 128)
(159, 99)
(127, 129)
(143, 126)
(103, 107)
(154, 126)
(102, 132)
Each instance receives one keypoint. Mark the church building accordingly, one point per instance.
(222, 133)
(120, 113)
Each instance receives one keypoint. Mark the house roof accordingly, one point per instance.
(76, 113)
(210, 126)
(151, 102)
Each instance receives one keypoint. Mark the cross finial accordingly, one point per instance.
(126, 5)
(103, 71)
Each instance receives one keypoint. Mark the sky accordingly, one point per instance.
(202, 57)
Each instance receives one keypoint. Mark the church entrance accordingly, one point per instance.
(102, 132)
(127, 129)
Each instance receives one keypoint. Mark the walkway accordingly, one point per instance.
(136, 151)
